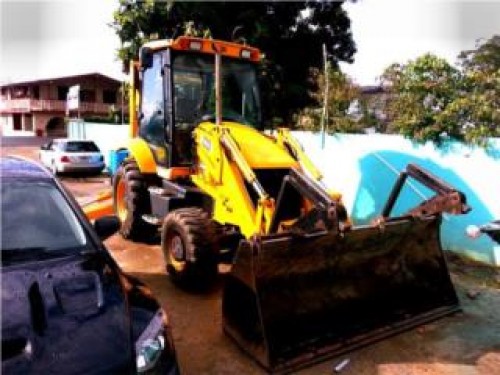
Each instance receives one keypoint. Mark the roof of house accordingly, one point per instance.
(372, 89)
(54, 79)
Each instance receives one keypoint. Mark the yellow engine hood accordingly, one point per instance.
(259, 150)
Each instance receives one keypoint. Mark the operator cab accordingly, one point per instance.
(178, 92)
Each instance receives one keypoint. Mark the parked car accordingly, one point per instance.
(68, 155)
(66, 306)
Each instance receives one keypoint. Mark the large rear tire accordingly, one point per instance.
(131, 201)
(188, 243)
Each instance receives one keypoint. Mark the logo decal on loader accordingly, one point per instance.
(207, 144)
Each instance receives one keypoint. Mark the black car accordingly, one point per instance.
(67, 308)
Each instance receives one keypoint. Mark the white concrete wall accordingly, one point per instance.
(5, 124)
(107, 136)
(7, 127)
(364, 167)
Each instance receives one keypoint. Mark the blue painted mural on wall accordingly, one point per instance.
(365, 167)
(376, 183)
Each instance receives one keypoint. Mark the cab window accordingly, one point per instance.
(152, 106)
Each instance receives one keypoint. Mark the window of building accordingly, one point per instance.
(28, 122)
(16, 119)
(87, 95)
(109, 96)
(19, 92)
(62, 92)
(36, 92)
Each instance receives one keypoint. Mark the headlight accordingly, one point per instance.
(149, 346)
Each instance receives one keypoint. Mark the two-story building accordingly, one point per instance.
(39, 107)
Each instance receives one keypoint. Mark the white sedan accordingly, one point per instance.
(68, 155)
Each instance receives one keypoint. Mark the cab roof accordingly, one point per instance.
(211, 46)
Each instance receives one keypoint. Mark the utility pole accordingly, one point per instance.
(324, 115)
(218, 88)
(123, 100)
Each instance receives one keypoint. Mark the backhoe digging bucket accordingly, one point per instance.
(291, 301)
(294, 299)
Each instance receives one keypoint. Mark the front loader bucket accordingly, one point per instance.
(290, 301)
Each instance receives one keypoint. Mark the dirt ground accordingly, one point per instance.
(465, 343)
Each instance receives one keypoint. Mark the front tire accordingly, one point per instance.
(131, 201)
(188, 244)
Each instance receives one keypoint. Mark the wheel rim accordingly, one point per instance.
(121, 200)
(177, 252)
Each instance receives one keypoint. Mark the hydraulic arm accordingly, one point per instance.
(265, 204)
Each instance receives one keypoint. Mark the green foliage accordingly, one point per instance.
(342, 93)
(290, 38)
(476, 110)
(485, 58)
(433, 101)
(422, 89)
(372, 111)
(114, 117)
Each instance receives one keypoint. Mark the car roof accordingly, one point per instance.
(18, 167)
(67, 140)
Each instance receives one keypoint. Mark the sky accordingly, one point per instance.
(50, 38)
(388, 31)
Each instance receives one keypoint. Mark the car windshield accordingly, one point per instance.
(75, 146)
(37, 221)
(194, 82)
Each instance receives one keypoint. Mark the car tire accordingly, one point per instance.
(189, 247)
(131, 202)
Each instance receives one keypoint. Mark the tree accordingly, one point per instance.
(343, 96)
(289, 33)
(433, 101)
(485, 58)
(476, 109)
(422, 89)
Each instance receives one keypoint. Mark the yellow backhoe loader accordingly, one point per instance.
(305, 283)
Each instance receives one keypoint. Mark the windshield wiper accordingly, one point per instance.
(20, 254)
(14, 250)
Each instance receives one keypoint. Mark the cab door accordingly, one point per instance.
(153, 126)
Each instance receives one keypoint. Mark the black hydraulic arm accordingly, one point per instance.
(447, 198)
(325, 206)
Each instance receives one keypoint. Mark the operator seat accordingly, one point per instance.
(185, 114)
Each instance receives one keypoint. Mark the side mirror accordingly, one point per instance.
(106, 226)
(146, 58)
(45, 146)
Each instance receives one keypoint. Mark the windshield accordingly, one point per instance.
(194, 83)
(37, 221)
(75, 146)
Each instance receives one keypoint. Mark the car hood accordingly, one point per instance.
(64, 316)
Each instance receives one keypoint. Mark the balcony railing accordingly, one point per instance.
(41, 105)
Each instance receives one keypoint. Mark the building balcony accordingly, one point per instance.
(28, 105)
